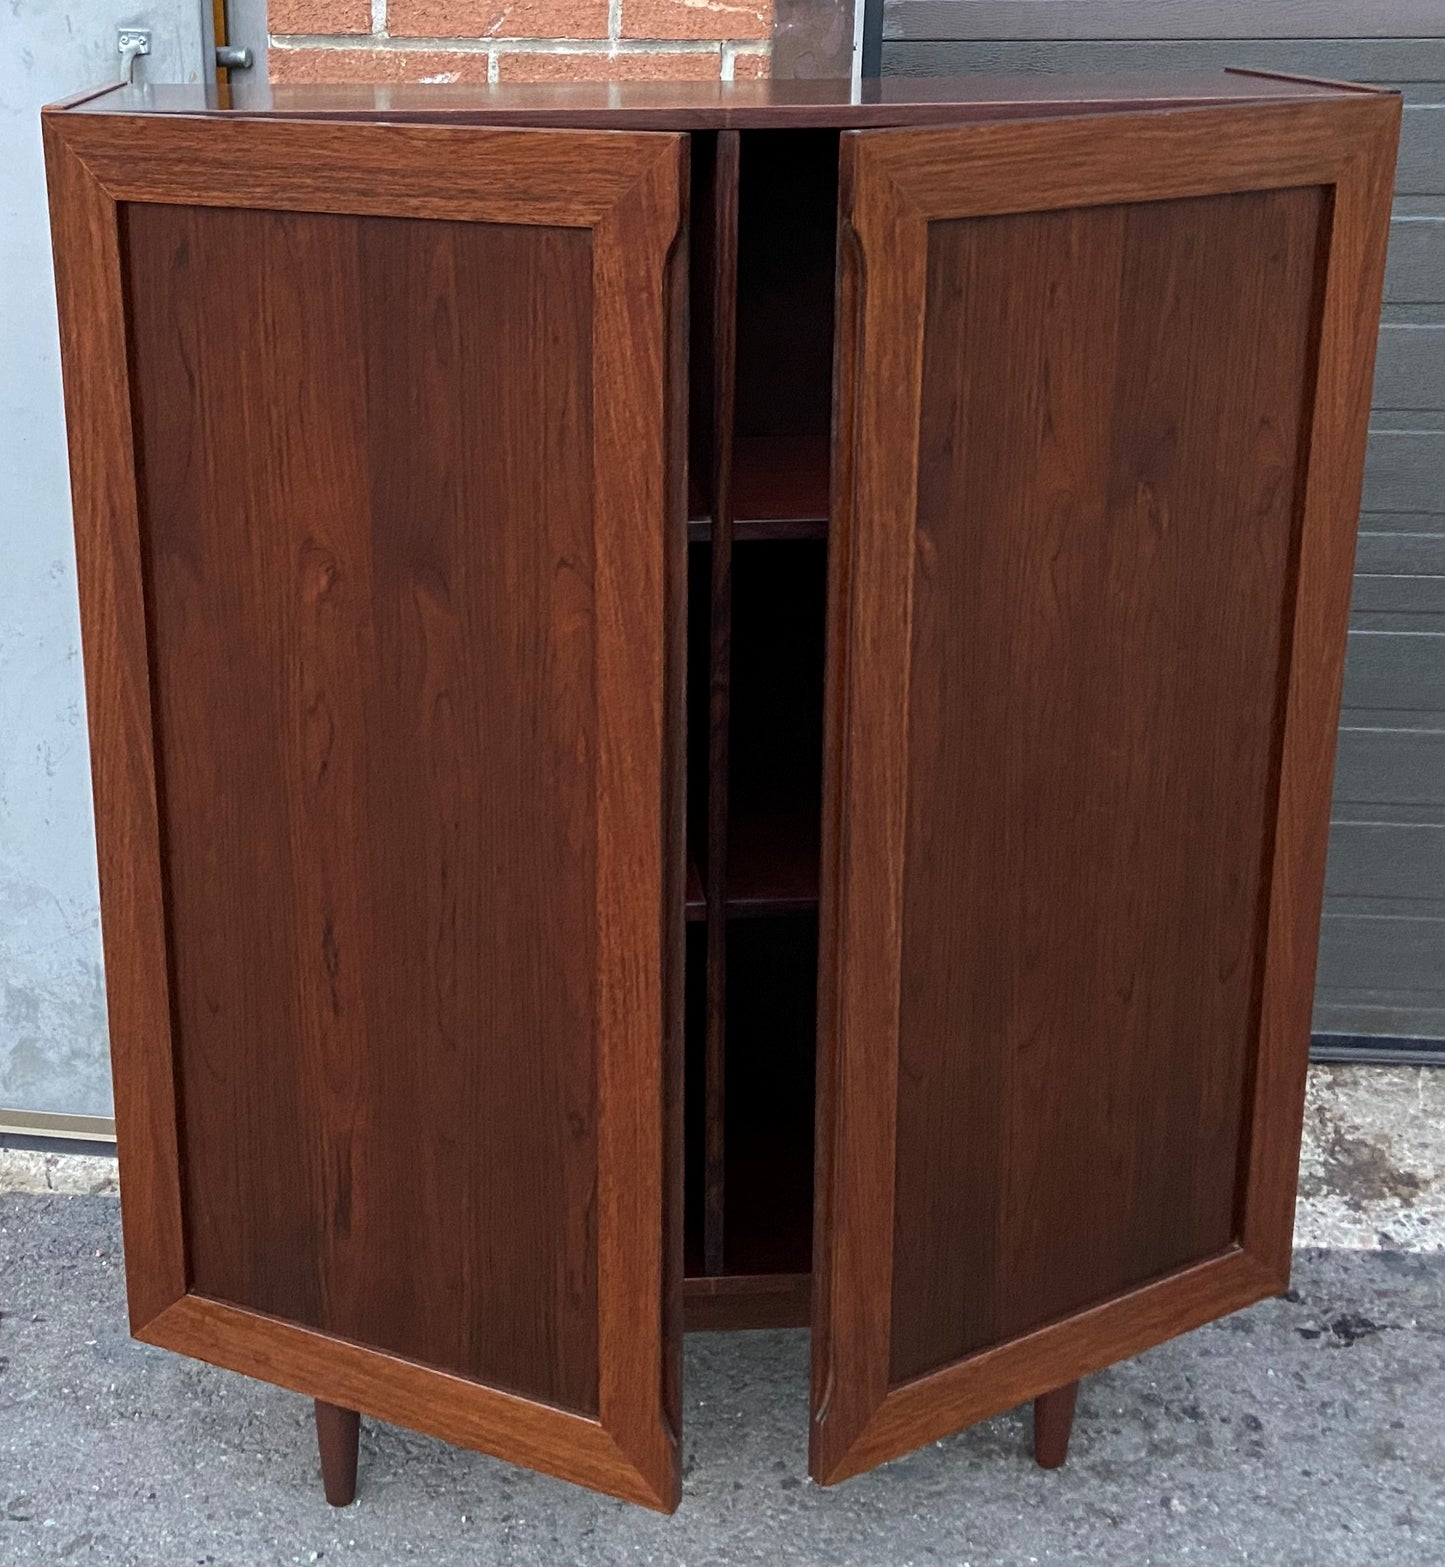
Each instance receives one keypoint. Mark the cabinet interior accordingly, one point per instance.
(764, 225)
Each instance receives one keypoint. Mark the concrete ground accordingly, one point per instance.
(1305, 1431)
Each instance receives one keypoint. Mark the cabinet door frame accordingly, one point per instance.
(893, 184)
(629, 189)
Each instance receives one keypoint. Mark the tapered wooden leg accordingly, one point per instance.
(1053, 1421)
(337, 1433)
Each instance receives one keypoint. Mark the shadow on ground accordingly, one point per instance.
(1305, 1431)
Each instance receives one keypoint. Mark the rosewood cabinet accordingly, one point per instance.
(711, 707)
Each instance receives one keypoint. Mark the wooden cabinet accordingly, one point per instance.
(544, 817)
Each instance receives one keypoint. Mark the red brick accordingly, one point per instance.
(497, 18)
(752, 67)
(639, 66)
(376, 65)
(319, 16)
(697, 18)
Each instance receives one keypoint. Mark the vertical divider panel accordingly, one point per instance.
(724, 366)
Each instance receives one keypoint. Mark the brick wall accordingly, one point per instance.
(518, 40)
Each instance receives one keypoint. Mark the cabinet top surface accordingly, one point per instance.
(714, 105)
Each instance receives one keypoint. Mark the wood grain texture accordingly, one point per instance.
(385, 1387)
(641, 539)
(1059, 164)
(1111, 428)
(711, 106)
(307, 636)
(1053, 1425)
(370, 630)
(1330, 503)
(741, 1302)
(338, 1434)
(118, 710)
(84, 95)
(831, 1258)
(1112, 536)
(413, 702)
(678, 874)
(358, 606)
(424, 170)
(1022, 1369)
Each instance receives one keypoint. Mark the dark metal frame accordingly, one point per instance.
(872, 42)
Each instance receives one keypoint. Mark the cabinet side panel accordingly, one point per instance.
(1111, 449)
(367, 536)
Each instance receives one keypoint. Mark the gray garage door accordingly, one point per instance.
(1382, 952)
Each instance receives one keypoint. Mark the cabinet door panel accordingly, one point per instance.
(1101, 416)
(407, 542)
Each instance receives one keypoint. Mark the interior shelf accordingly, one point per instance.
(761, 389)
(728, 1301)
(780, 489)
(695, 899)
(772, 866)
(772, 862)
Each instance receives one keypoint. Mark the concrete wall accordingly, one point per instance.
(52, 1006)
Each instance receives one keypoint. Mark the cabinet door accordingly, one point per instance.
(1102, 387)
(379, 518)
